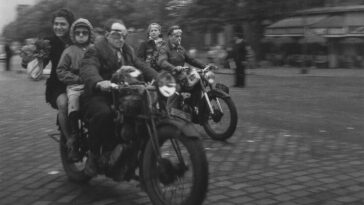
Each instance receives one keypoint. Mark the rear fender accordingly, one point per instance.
(186, 127)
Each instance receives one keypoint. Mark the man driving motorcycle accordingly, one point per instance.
(172, 56)
(99, 63)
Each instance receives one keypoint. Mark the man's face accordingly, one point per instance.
(116, 37)
(82, 35)
(176, 37)
(60, 26)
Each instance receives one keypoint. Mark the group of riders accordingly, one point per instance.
(83, 65)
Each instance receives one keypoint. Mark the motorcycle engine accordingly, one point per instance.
(189, 79)
(131, 105)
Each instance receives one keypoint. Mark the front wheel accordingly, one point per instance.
(74, 170)
(222, 124)
(180, 177)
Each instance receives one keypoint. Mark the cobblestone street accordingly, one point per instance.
(259, 165)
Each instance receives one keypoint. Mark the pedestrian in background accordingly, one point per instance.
(239, 56)
(148, 50)
(8, 55)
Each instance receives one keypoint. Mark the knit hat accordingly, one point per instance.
(81, 22)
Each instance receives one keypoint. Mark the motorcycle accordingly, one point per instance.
(207, 103)
(161, 152)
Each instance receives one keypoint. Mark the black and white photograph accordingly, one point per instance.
(181, 102)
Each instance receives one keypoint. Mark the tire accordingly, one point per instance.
(151, 172)
(233, 119)
(73, 170)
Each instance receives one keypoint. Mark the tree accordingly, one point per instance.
(35, 20)
(247, 15)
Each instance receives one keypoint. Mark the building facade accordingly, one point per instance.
(331, 36)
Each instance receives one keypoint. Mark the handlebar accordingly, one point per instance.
(115, 86)
(206, 68)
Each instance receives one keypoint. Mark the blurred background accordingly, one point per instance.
(310, 33)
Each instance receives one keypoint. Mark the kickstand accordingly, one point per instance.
(55, 136)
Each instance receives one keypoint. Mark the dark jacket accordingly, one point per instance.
(171, 56)
(239, 52)
(148, 52)
(8, 50)
(100, 62)
(54, 87)
(68, 66)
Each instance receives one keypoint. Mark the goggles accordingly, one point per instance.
(118, 34)
(84, 33)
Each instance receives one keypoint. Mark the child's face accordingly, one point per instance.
(154, 32)
(81, 35)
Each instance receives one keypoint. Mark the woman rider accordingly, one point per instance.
(55, 89)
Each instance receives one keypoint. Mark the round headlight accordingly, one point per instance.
(210, 77)
(166, 84)
(167, 91)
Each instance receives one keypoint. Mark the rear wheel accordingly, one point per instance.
(180, 177)
(74, 170)
(222, 124)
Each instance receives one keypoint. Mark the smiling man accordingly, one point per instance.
(97, 67)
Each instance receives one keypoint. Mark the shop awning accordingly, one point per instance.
(338, 25)
(293, 26)
(344, 25)
(330, 22)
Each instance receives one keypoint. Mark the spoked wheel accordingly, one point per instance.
(74, 170)
(222, 123)
(180, 177)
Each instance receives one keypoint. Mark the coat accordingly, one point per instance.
(68, 66)
(148, 52)
(100, 62)
(54, 87)
(171, 56)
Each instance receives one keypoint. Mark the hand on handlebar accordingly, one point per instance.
(179, 68)
(212, 67)
(104, 85)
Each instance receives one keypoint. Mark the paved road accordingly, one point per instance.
(259, 165)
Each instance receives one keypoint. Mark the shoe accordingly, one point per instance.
(115, 155)
(117, 169)
(73, 154)
(91, 166)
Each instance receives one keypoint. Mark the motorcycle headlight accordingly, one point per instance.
(210, 77)
(166, 84)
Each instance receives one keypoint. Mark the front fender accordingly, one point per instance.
(187, 128)
(203, 108)
(217, 92)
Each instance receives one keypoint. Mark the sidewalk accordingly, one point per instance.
(291, 71)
